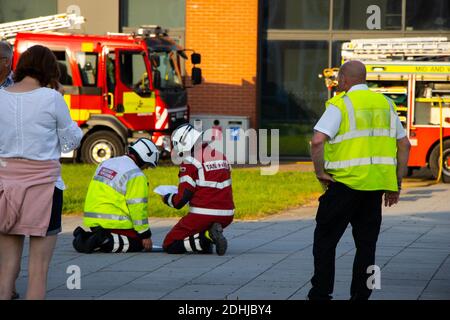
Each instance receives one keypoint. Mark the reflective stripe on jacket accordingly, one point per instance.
(117, 196)
(363, 154)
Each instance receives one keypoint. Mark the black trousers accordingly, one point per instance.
(338, 207)
(178, 246)
(106, 240)
(117, 242)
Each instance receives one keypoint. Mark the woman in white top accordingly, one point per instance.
(35, 128)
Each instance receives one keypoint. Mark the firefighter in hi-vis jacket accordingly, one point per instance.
(116, 203)
(204, 183)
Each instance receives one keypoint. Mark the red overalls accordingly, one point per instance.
(208, 176)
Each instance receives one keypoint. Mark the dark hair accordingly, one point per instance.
(40, 63)
(139, 162)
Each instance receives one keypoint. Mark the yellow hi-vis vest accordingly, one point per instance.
(117, 196)
(363, 154)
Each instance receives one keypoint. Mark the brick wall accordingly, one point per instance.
(225, 33)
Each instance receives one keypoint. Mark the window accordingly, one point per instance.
(428, 15)
(25, 9)
(111, 72)
(87, 64)
(293, 96)
(352, 14)
(65, 70)
(168, 65)
(133, 72)
(296, 14)
(166, 13)
(336, 56)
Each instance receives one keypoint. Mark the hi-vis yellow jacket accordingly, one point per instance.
(363, 154)
(117, 197)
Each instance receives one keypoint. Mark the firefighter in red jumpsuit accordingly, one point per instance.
(204, 183)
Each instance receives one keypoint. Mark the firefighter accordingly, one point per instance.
(116, 203)
(204, 183)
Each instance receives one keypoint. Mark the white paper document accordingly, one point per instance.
(163, 190)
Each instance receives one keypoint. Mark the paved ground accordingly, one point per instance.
(269, 259)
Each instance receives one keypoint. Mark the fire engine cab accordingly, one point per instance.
(119, 87)
(415, 74)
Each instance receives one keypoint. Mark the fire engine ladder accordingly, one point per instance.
(8, 31)
(396, 49)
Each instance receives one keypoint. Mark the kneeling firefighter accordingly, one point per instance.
(116, 203)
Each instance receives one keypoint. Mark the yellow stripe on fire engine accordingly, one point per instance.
(87, 47)
(79, 114)
(82, 114)
(416, 69)
(133, 103)
(67, 99)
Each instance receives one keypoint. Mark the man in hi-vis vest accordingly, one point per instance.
(360, 152)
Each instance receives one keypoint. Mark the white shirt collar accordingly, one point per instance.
(358, 87)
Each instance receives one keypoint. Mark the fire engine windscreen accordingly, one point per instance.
(168, 64)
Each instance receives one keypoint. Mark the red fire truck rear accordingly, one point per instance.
(119, 87)
(415, 73)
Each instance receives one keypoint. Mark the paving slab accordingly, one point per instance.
(267, 259)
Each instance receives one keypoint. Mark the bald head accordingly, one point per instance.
(5, 60)
(351, 73)
(5, 50)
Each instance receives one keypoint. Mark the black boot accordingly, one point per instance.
(206, 244)
(80, 241)
(88, 242)
(216, 234)
(97, 240)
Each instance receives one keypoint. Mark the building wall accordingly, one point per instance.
(25, 9)
(225, 33)
(101, 15)
(166, 13)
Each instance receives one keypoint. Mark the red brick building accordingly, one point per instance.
(225, 33)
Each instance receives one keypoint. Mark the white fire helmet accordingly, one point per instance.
(185, 137)
(146, 151)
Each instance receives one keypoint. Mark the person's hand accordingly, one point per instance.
(391, 198)
(325, 179)
(147, 244)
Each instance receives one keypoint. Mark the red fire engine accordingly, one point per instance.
(415, 73)
(118, 87)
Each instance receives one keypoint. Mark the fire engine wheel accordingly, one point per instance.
(434, 161)
(101, 146)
